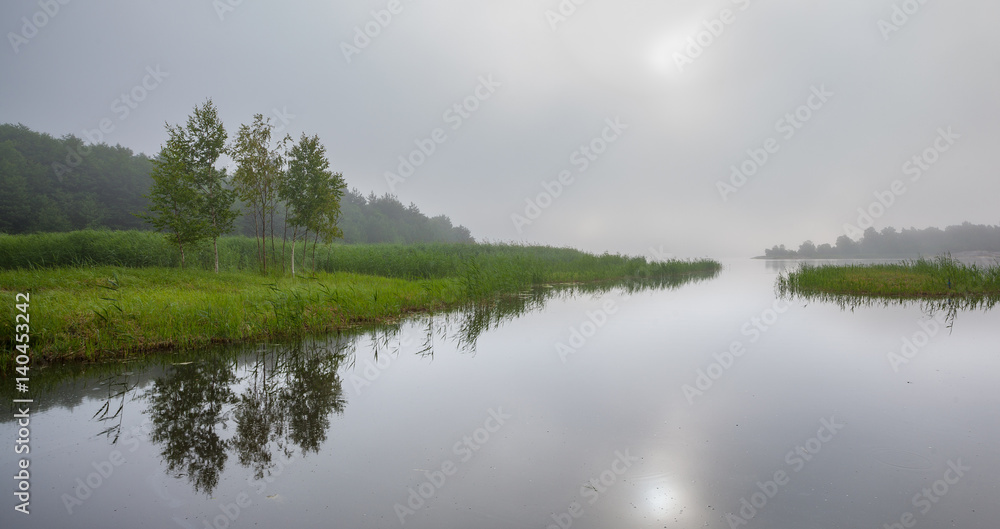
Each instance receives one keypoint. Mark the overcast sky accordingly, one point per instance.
(641, 107)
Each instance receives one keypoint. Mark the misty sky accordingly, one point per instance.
(641, 123)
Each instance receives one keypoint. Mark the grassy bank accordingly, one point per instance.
(89, 313)
(517, 265)
(942, 277)
(121, 295)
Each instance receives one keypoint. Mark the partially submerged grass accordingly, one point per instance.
(939, 278)
(102, 311)
(87, 313)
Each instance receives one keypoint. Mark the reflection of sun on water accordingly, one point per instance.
(659, 491)
(660, 497)
(662, 500)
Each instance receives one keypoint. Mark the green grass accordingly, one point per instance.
(90, 313)
(98, 295)
(516, 265)
(939, 278)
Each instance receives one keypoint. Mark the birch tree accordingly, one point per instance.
(312, 192)
(174, 203)
(257, 178)
(206, 138)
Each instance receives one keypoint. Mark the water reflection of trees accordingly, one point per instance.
(267, 403)
(186, 409)
(276, 399)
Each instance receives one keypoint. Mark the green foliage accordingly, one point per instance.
(86, 248)
(175, 202)
(107, 312)
(188, 199)
(258, 177)
(312, 192)
(104, 311)
(206, 137)
(59, 185)
(384, 219)
(15, 202)
(66, 185)
(499, 264)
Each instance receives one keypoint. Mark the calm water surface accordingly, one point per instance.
(706, 404)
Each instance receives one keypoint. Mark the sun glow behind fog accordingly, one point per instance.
(663, 47)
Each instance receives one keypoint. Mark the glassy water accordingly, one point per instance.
(709, 403)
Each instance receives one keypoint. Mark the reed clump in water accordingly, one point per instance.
(938, 278)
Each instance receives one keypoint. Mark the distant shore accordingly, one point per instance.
(956, 255)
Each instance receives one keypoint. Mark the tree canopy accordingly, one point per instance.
(384, 218)
(189, 199)
(52, 184)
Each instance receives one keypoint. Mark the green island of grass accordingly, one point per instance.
(939, 278)
(103, 295)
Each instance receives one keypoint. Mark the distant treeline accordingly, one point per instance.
(52, 184)
(385, 219)
(381, 219)
(966, 237)
(55, 185)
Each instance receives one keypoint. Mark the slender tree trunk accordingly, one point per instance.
(177, 234)
(273, 252)
(294, 233)
(316, 240)
(329, 250)
(262, 211)
(263, 239)
(256, 237)
(215, 239)
(284, 237)
(305, 245)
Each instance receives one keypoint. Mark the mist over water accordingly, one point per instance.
(694, 402)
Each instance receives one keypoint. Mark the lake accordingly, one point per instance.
(708, 403)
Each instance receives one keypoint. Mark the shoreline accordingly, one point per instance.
(975, 254)
(87, 314)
